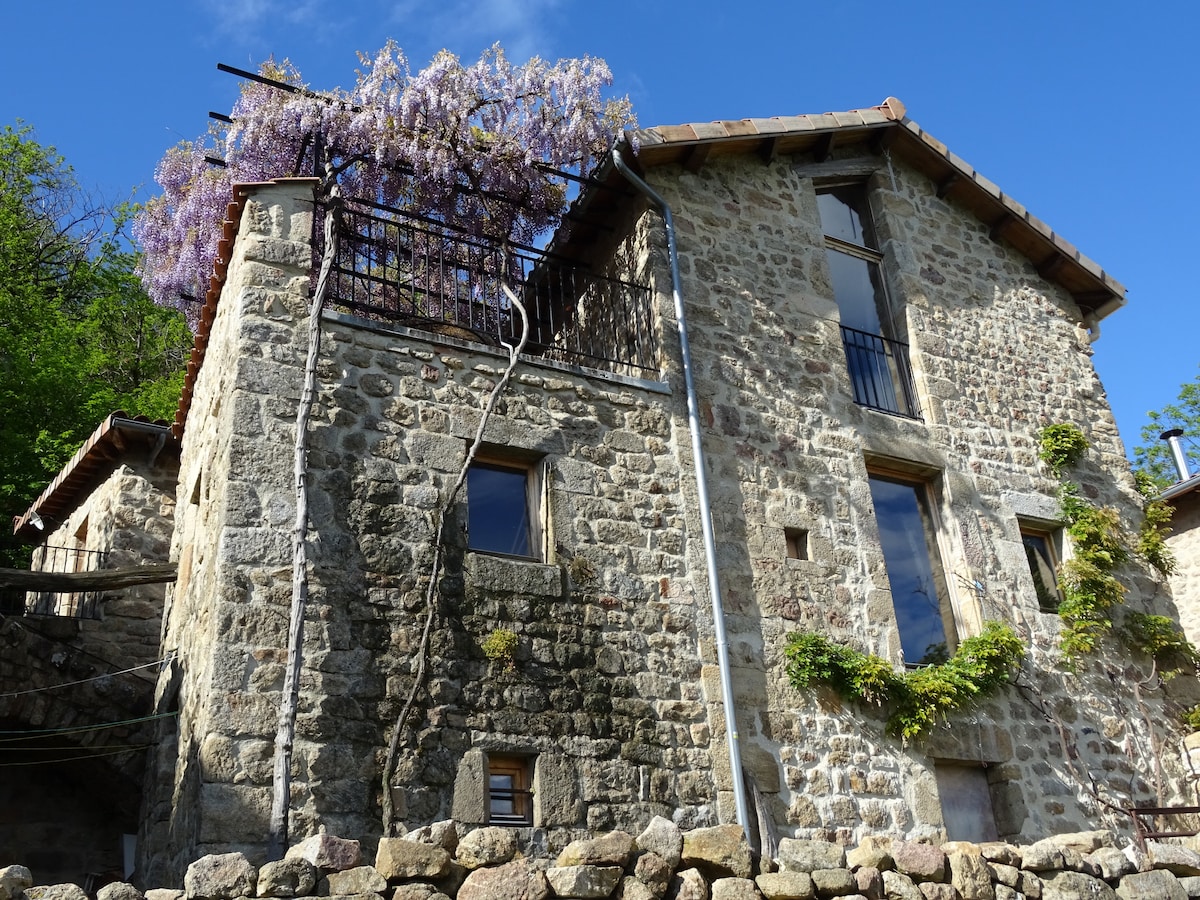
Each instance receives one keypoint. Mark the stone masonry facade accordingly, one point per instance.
(1184, 543)
(613, 690)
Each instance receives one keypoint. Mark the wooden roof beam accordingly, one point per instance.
(824, 147)
(769, 150)
(881, 140)
(944, 186)
(696, 157)
(1049, 268)
(996, 232)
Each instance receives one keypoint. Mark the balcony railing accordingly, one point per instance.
(880, 373)
(408, 270)
(67, 604)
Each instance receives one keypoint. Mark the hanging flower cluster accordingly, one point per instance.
(474, 146)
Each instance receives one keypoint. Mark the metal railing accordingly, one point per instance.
(66, 604)
(880, 373)
(409, 270)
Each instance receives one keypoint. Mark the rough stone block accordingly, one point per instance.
(585, 882)
(721, 851)
(220, 876)
(807, 856)
(400, 858)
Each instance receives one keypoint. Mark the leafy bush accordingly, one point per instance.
(1062, 446)
(918, 699)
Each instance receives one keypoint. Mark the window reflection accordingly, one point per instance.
(1039, 552)
(498, 509)
(914, 570)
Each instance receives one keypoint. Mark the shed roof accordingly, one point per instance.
(113, 440)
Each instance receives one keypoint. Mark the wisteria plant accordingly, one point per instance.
(478, 147)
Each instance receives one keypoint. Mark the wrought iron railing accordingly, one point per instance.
(410, 270)
(880, 372)
(67, 604)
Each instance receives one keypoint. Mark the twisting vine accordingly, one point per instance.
(442, 515)
(286, 730)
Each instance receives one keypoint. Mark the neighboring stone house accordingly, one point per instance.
(1184, 543)
(877, 336)
(77, 670)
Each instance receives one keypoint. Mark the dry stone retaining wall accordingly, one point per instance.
(449, 862)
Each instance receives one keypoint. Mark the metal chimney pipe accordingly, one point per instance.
(1172, 438)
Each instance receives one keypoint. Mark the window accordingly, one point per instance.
(502, 509)
(879, 370)
(796, 541)
(510, 798)
(1041, 551)
(920, 595)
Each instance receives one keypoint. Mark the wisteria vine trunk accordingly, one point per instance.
(439, 537)
(285, 734)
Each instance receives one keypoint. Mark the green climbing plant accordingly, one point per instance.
(917, 699)
(1100, 546)
(1061, 446)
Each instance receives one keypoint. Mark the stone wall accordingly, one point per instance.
(998, 353)
(129, 516)
(69, 683)
(446, 861)
(1184, 542)
(614, 691)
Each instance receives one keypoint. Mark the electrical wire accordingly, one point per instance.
(52, 687)
(47, 762)
(32, 735)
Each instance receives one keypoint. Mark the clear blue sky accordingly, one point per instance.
(1084, 112)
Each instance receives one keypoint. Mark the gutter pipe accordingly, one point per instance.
(706, 527)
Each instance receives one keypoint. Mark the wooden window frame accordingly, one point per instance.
(1051, 537)
(535, 504)
(520, 770)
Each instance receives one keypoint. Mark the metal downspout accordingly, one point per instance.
(710, 550)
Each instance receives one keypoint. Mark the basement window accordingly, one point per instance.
(966, 799)
(503, 508)
(1042, 553)
(510, 794)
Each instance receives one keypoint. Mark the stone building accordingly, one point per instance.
(1184, 539)
(877, 336)
(76, 816)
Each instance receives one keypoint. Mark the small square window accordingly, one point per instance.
(1041, 552)
(510, 797)
(796, 540)
(502, 509)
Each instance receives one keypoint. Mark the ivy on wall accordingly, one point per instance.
(1100, 546)
(916, 699)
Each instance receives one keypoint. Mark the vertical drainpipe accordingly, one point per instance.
(710, 549)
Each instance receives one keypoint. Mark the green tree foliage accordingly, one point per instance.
(1153, 455)
(78, 336)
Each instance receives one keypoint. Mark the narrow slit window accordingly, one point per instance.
(796, 540)
(1041, 552)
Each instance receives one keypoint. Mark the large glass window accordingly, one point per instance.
(919, 592)
(499, 509)
(879, 370)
